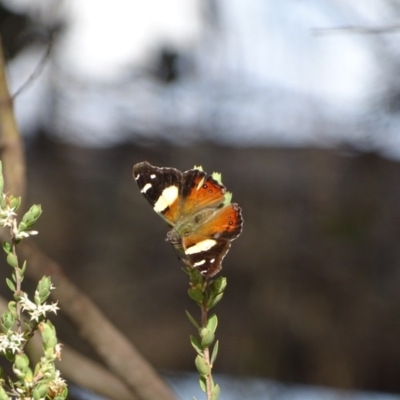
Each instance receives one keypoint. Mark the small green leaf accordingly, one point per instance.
(28, 375)
(7, 247)
(219, 285)
(203, 383)
(214, 353)
(7, 321)
(192, 320)
(202, 366)
(196, 278)
(21, 273)
(12, 260)
(41, 390)
(49, 338)
(22, 363)
(207, 337)
(3, 394)
(212, 323)
(30, 217)
(43, 290)
(10, 284)
(23, 268)
(12, 306)
(215, 392)
(196, 344)
(214, 301)
(195, 294)
(15, 202)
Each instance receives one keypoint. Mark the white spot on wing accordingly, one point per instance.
(204, 245)
(152, 176)
(146, 187)
(168, 196)
(199, 263)
(200, 184)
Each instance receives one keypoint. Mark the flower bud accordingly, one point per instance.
(30, 217)
(43, 290)
(48, 335)
(21, 365)
(15, 202)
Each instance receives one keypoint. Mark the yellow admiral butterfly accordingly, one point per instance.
(198, 209)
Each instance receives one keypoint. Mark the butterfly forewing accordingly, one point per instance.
(199, 192)
(225, 223)
(161, 188)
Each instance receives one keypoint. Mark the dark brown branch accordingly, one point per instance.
(12, 149)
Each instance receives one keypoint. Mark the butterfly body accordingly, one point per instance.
(197, 207)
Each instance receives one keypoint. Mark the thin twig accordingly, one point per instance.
(37, 71)
(358, 30)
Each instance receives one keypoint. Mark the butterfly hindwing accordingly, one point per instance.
(209, 262)
(207, 246)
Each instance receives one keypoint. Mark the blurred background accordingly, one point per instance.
(297, 103)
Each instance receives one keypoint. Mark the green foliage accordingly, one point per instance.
(206, 293)
(25, 316)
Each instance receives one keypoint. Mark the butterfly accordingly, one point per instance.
(198, 209)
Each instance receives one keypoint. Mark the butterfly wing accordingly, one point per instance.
(206, 247)
(161, 187)
(200, 192)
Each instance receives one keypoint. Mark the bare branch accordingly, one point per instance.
(12, 151)
(363, 30)
(37, 71)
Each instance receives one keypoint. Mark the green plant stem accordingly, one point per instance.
(206, 351)
(17, 279)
